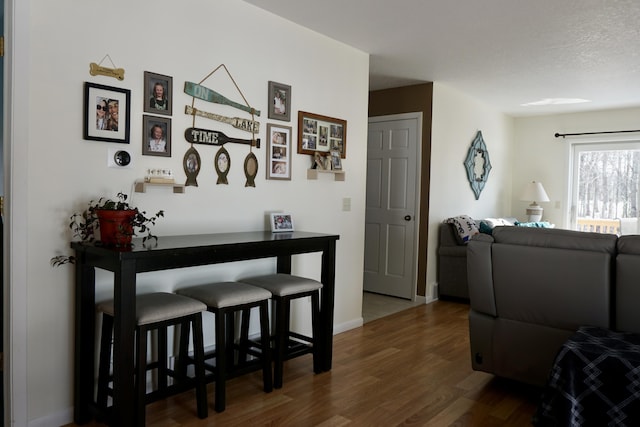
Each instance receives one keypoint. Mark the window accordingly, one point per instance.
(605, 188)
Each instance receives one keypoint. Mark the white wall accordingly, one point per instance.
(456, 120)
(59, 171)
(540, 156)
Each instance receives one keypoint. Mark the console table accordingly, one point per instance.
(174, 252)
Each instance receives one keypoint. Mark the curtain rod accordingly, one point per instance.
(594, 133)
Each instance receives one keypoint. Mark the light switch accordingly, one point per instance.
(346, 204)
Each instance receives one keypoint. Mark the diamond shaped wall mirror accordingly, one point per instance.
(477, 164)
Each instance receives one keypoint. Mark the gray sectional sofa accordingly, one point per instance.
(452, 264)
(530, 289)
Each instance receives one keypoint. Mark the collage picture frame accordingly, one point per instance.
(317, 133)
(278, 152)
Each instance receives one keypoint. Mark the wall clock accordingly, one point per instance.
(477, 164)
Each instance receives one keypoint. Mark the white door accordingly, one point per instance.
(390, 221)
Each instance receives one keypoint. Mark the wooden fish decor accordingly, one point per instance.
(238, 123)
(250, 169)
(206, 94)
(191, 165)
(222, 165)
(214, 137)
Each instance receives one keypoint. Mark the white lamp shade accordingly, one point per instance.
(534, 192)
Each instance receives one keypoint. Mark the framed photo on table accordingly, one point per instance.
(278, 152)
(156, 136)
(279, 101)
(158, 92)
(322, 134)
(106, 113)
(281, 222)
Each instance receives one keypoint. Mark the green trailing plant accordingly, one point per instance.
(85, 224)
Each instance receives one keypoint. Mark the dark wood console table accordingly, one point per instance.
(174, 252)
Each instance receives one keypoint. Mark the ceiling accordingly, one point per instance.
(502, 52)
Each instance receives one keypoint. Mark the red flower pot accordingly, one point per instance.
(115, 227)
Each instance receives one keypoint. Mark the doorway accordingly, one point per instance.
(391, 225)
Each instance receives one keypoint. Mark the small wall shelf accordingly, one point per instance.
(337, 175)
(141, 186)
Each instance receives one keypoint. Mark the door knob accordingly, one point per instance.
(407, 217)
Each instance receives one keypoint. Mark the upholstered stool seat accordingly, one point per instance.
(223, 300)
(157, 311)
(288, 344)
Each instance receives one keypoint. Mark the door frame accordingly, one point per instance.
(15, 162)
(416, 230)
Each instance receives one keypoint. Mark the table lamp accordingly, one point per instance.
(534, 191)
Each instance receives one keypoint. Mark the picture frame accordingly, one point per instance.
(317, 133)
(278, 152)
(156, 136)
(112, 124)
(336, 162)
(281, 222)
(154, 102)
(279, 101)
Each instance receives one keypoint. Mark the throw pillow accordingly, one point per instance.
(465, 227)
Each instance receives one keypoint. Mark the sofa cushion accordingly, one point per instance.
(556, 238)
(465, 227)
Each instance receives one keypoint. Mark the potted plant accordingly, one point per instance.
(116, 220)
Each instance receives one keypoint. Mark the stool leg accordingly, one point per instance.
(198, 350)
(283, 306)
(230, 338)
(105, 360)
(141, 374)
(315, 327)
(181, 363)
(265, 340)
(244, 336)
(221, 362)
(162, 358)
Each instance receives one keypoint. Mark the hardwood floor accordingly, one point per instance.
(411, 368)
(375, 306)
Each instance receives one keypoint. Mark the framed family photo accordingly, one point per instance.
(106, 113)
(322, 134)
(281, 222)
(279, 101)
(158, 92)
(336, 163)
(278, 152)
(156, 136)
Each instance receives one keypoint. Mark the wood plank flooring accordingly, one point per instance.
(411, 368)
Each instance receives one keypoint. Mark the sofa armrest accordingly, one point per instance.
(448, 236)
(480, 275)
(627, 286)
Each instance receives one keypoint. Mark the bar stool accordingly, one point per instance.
(157, 311)
(288, 344)
(224, 299)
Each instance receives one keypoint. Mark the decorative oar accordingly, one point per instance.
(237, 122)
(204, 93)
(214, 137)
